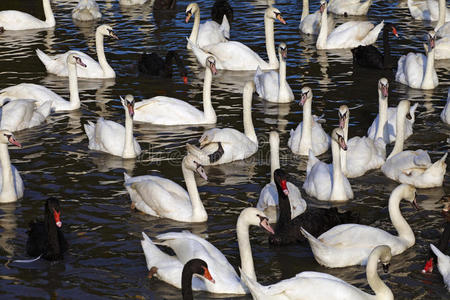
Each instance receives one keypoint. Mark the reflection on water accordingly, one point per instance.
(105, 259)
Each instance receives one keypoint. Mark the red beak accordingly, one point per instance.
(284, 187)
(185, 79)
(56, 215)
(13, 141)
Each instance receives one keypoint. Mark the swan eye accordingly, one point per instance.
(188, 13)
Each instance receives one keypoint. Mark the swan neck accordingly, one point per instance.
(374, 280)
(107, 70)
(274, 156)
(382, 115)
(387, 48)
(208, 109)
(8, 193)
(343, 154)
(194, 33)
(245, 249)
(323, 33)
(427, 82)
(128, 149)
(73, 86)
(282, 74)
(398, 221)
(400, 134)
(305, 10)
(338, 182)
(306, 138)
(270, 43)
(49, 17)
(284, 208)
(186, 284)
(198, 210)
(249, 129)
(442, 13)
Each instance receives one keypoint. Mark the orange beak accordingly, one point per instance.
(394, 31)
(188, 16)
(280, 18)
(207, 275)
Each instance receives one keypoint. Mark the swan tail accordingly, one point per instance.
(153, 256)
(90, 130)
(439, 165)
(45, 59)
(437, 252)
(373, 35)
(258, 82)
(225, 27)
(126, 176)
(412, 112)
(312, 160)
(256, 289)
(318, 247)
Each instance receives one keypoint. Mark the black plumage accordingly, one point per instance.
(152, 64)
(314, 220)
(194, 266)
(164, 4)
(221, 8)
(46, 237)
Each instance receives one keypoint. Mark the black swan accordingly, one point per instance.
(442, 246)
(371, 57)
(221, 8)
(194, 266)
(46, 237)
(164, 4)
(152, 64)
(317, 220)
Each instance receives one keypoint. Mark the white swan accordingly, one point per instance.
(164, 198)
(224, 145)
(236, 56)
(310, 23)
(443, 265)
(17, 20)
(268, 198)
(57, 64)
(209, 32)
(309, 134)
(412, 167)
(12, 184)
(164, 110)
(23, 113)
(363, 153)
(42, 94)
(86, 10)
(389, 115)
(350, 244)
(417, 70)
(273, 85)
(442, 48)
(187, 246)
(445, 114)
(348, 35)
(132, 2)
(349, 7)
(442, 27)
(112, 137)
(315, 285)
(426, 9)
(327, 182)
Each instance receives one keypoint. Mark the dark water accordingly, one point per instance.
(105, 258)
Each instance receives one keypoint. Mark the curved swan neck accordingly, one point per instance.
(404, 230)
(427, 82)
(194, 33)
(128, 149)
(245, 249)
(249, 129)
(305, 10)
(306, 138)
(442, 13)
(49, 17)
(208, 109)
(386, 47)
(323, 33)
(382, 114)
(73, 86)
(376, 284)
(400, 133)
(274, 141)
(8, 192)
(198, 210)
(107, 70)
(338, 182)
(270, 42)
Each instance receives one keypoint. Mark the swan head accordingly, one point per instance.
(274, 14)
(432, 39)
(323, 6)
(253, 216)
(306, 94)
(199, 268)
(280, 179)
(191, 9)
(52, 209)
(385, 256)
(409, 194)
(383, 88)
(211, 64)
(282, 50)
(189, 161)
(128, 104)
(75, 60)
(390, 26)
(343, 114)
(403, 109)
(7, 137)
(338, 137)
(107, 30)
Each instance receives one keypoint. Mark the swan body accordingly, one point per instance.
(113, 138)
(17, 20)
(310, 23)
(417, 70)
(426, 9)
(268, 198)
(348, 35)
(220, 146)
(163, 110)
(236, 56)
(349, 7)
(86, 10)
(272, 85)
(187, 246)
(22, 114)
(42, 95)
(442, 48)
(12, 185)
(309, 134)
(328, 183)
(443, 262)
(445, 114)
(57, 64)
(210, 32)
(412, 167)
(164, 198)
(363, 153)
(315, 285)
(350, 244)
(132, 2)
